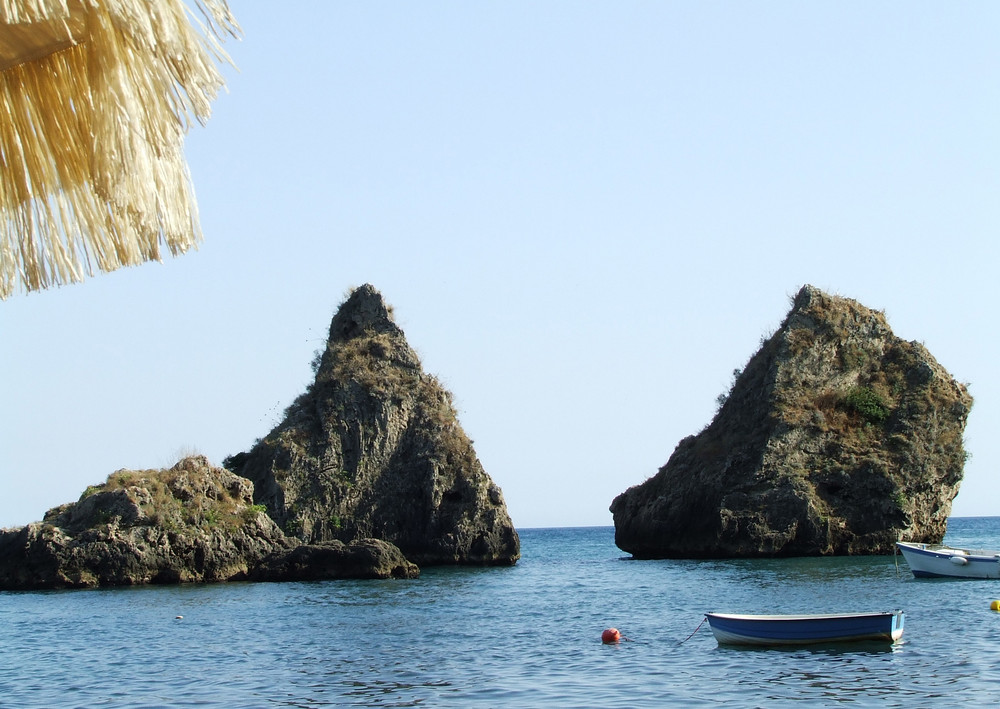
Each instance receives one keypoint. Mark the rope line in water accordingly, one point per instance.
(695, 631)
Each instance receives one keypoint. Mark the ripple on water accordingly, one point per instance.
(522, 636)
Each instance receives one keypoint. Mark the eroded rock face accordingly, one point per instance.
(193, 522)
(837, 438)
(373, 449)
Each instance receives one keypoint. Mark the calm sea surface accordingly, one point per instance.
(527, 636)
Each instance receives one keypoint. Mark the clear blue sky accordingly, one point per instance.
(586, 215)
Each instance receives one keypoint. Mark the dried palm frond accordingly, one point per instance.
(95, 99)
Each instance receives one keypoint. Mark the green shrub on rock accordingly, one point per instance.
(868, 404)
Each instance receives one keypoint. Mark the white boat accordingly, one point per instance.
(937, 560)
(741, 629)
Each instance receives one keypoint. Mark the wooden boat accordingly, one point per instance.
(936, 560)
(733, 629)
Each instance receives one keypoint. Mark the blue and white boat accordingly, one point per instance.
(936, 560)
(736, 629)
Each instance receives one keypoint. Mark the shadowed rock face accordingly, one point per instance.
(837, 438)
(190, 523)
(362, 559)
(373, 449)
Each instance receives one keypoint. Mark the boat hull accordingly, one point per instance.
(928, 561)
(733, 629)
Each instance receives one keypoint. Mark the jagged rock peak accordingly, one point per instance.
(837, 437)
(366, 345)
(364, 311)
(373, 449)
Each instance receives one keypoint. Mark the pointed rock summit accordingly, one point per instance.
(837, 438)
(373, 449)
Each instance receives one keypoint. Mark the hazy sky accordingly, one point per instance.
(585, 214)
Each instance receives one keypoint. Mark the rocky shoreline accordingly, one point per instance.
(837, 437)
(368, 475)
(192, 523)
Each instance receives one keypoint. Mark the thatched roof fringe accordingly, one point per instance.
(91, 135)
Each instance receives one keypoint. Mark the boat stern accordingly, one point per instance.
(898, 619)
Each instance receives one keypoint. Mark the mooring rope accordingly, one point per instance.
(695, 631)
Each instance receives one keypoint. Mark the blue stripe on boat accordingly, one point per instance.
(804, 629)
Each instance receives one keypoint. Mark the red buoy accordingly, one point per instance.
(610, 636)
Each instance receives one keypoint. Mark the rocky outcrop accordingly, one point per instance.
(373, 449)
(363, 559)
(191, 523)
(836, 438)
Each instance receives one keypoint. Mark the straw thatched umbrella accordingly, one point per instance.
(95, 98)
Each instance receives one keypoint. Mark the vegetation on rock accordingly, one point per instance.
(373, 449)
(191, 523)
(190, 494)
(836, 438)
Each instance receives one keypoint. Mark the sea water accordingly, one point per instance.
(524, 636)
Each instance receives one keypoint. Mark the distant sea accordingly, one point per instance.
(525, 636)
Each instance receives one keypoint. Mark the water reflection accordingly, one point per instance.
(837, 649)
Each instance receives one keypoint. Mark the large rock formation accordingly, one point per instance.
(190, 523)
(837, 438)
(193, 522)
(373, 448)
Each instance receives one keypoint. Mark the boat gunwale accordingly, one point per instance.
(940, 551)
(800, 616)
